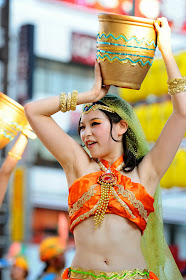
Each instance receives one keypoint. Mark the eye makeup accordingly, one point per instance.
(97, 120)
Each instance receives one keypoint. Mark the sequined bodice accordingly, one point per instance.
(126, 198)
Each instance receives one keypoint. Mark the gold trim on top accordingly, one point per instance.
(85, 215)
(135, 202)
(85, 197)
(123, 204)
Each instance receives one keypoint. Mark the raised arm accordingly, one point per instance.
(10, 162)
(157, 161)
(60, 144)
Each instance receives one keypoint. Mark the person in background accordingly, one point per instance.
(14, 155)
(52, 254)
(19, 268)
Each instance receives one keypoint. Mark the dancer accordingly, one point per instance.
(14, 155)
(112, 188)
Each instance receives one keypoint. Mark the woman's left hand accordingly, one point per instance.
(164, 34)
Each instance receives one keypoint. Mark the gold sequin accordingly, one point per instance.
(74, 100)
(68, 101)
(90, 107)
(103, 204)
(84, 216)
(63, 104)
(123, 204)
(176, 85)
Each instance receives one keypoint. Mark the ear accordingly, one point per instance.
(123, 126)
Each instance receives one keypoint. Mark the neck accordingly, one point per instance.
(111, 158)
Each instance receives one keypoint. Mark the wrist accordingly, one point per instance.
(166, 52)
(86, 97)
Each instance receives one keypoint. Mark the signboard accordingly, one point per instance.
(25, 63)
(83, 49)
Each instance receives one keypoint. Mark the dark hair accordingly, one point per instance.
(129, 158)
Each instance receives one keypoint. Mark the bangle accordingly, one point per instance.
(29, 133)
(74, 100)
(176, 85)
(69, 101)
(63, 103)
(14, 155)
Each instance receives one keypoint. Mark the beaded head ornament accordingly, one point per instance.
(135, 138)
(154, 247)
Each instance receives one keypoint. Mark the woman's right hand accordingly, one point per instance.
(98, 90)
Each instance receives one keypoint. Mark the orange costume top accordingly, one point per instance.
(126, 198)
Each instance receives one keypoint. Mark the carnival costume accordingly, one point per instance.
(127, 199)
(105, 192)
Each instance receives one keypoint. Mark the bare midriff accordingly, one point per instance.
(115, 246)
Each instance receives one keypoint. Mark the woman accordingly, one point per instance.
(111, 244)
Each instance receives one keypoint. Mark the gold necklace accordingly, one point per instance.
(107, 180)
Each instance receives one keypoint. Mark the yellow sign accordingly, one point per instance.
(17, 205)
(175, 175)
(153, 118)
(155, 82)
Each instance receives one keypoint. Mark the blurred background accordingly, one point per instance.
(49, 46)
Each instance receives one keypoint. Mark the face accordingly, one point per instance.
(95, 132)
(17, 273)
(58, 262)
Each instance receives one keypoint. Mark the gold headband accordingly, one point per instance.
(94, 106)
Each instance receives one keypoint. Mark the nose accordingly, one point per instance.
(87, 132)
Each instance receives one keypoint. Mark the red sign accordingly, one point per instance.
(83, 49)
(114, 6)
(147, 8)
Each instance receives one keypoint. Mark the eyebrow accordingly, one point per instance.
(92, 119)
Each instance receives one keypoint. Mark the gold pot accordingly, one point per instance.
(12, 119)
(125, 49)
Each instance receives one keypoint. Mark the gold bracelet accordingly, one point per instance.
(74, 100)
(63, 102)
(69, 101)
(14, 155)
(176, 85)
(29, 133)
